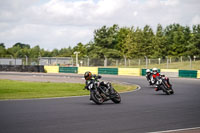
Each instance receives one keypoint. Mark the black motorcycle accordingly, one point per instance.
(163, 84)
(100, 92)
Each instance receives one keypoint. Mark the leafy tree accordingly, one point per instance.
(80, 48)
(35, 52)
(148, 36)
(2, 50)
(65, 52)
(106, 37)
(55, 52)
(159, 43)
(193, 49)
(21, 45)
(121, 39)
(2, 45)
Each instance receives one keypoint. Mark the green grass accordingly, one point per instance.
(10, 89)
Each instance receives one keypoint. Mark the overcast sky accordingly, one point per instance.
(63, 23)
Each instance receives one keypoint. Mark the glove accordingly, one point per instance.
(99, 76)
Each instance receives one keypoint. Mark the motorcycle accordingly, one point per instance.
(164, 85)
(100, 93)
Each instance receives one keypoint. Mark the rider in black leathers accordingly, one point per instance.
(89, 77)
(149, 76)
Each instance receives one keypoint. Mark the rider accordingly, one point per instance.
(149, 75)
(88, 77)
(155, 74)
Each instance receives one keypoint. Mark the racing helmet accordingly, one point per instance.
(88, 75)
(155, 70)
(148, 71)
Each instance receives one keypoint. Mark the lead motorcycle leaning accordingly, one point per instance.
(101, 92)
(163, 84)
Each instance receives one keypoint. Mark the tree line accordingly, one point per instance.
(174, 40)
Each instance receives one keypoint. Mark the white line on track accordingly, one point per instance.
(176, 130)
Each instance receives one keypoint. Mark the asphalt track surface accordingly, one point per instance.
(140, 111)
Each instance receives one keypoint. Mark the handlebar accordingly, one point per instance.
(97, 76)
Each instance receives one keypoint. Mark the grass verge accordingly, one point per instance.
(10, 89)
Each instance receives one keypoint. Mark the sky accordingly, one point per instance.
(63, 23)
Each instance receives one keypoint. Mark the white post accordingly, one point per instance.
(194, 58)
(26, 60)
(88, 61)
(76, 53)
(11, 62)
(190, 62)
(159, 61)
(167, 62)
(105, 62)
(146, 61)
(125, 60)
(81, 63)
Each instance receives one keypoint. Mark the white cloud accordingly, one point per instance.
(62, 23)
(195, 20)
(170, 2)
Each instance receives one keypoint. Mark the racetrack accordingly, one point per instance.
(140, 111)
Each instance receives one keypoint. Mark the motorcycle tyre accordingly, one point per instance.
(168, 92)
(96, 99)
(117, 98)
(165, 90)
(171, 91)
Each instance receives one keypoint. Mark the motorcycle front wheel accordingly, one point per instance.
(96, 98)
(171, 91)
(116, 97)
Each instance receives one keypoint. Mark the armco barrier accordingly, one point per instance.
(68, 69)
(51, 69)
(198, 74)
(188, 73)
(21, 68)
(93, 70)
(143, 72)
(112, 71)
(170, 72)
(129, 71)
